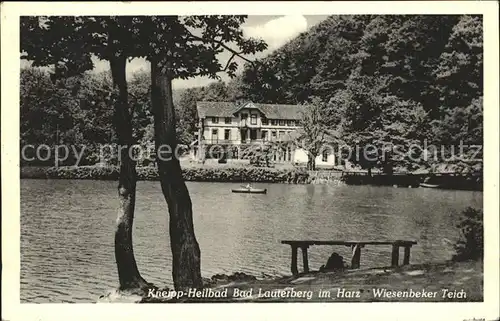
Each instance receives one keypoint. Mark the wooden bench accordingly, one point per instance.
(356, 247)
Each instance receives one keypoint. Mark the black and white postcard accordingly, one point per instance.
(333, 156)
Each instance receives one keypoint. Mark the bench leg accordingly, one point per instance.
(305, 260)
(395, 255)
(356, 256)
(295, 271)
(406, 258)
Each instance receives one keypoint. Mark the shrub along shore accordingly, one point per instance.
(237, 173)
(196, 174)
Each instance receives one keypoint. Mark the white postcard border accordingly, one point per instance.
(14, 310)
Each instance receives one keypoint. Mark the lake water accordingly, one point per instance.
(67, 230)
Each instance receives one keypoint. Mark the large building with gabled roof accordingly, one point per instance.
(238, 125)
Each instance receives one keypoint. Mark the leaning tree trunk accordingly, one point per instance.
(128, 272)
(186, 271)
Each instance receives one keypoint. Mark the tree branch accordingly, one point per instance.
(194, 74)
(220, 43)
(229, 61)
(132, 95)
(132, 109)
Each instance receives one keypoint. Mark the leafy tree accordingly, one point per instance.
(415, 66)
(460, 71)
(428, 61)
(215, 91)
(75, 111)
(234, 90)
(341, 35)
(188, 116)
(459, 78)
(175, 51)
(313, 134)
(261, 156)
(96, 112)
(379, 129)
(52, 102)
(406, 49)
(139, 88)
(180, 53)
(68, 44)
(470, 245)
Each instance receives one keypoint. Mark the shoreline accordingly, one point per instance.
(428, 282)
(238, 173)
(227, 174)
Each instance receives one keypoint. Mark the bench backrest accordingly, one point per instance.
(348, 243)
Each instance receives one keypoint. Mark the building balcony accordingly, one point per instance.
(233, 141)
(220, 141)
(247, 123)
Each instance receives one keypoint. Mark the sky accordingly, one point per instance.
(275, 30)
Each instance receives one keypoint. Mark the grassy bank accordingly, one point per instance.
(443, 281)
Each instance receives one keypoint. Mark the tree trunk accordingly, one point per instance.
(387, 163)
(186, 263)
(388, 168)
(128, 272)
(311, 162)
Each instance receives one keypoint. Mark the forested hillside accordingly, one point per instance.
(397, 80)
(382, 80)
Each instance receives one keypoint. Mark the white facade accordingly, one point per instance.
(300, 156)
(248, 124)
(245, 126)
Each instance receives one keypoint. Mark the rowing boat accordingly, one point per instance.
(426, 185)
(250, 190)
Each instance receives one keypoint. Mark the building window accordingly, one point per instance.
(253, 119)
(281, 134)
(227, 120)
(264, 121)
(227, 134)
(289, 122)
(273, 135)
(282, 122)
(324, 156)
(215, 120)
(274, 122)
(264, 135)
(244, 116)
(215, 134)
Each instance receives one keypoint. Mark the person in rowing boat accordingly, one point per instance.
(248, 186)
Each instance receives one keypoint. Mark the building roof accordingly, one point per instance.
(228, 109)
